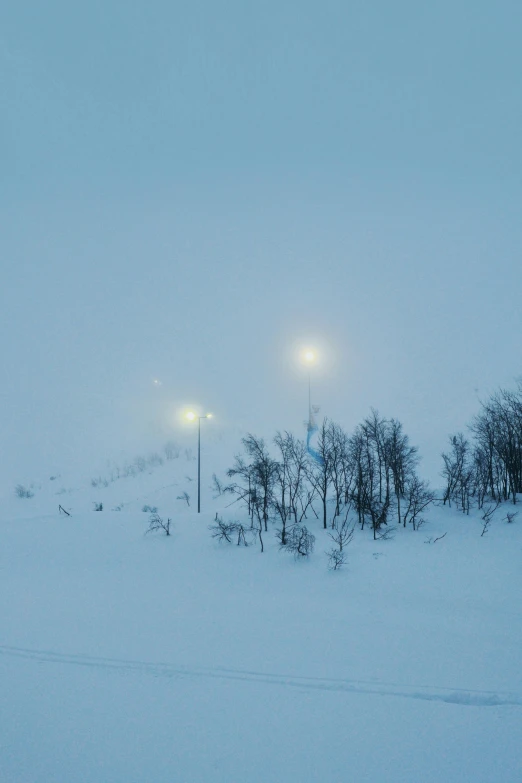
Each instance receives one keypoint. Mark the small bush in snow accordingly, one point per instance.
(342, 534)
(23, 492)
(336, 558)
(98, 506)
(156, 523)
(229, 531)
(432, 540)
(184, 496)
(217, 485)
(150, 509)
(386, 534)
(487, 515)
(140, 463)
(171, 450)
(299, 541)
(223, 531)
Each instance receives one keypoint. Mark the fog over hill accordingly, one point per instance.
(191, 196)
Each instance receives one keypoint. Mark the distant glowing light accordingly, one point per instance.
(190, 415)
(308, 356)
(156, 382)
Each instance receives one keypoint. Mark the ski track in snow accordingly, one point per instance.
(461, 696)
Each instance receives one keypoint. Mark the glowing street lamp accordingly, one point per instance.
(191, 416)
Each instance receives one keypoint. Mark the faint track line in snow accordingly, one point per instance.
(462, 696)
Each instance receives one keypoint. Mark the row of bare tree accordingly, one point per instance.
(371, 472)
(489, 466)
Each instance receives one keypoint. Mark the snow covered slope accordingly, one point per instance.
(130, 658)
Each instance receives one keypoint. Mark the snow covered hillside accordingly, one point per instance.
(128, 657)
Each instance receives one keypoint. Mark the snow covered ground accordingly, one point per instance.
(133, 658)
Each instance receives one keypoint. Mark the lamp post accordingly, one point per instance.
(191, 416)
(309, 359)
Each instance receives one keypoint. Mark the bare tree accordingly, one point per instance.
(418, 497)
(257, 478)
(291, 495)
(371, 492)
(496, 456)
(403, 459)
(320, 468)
(458, 473)
(341, 468)
(341, 535)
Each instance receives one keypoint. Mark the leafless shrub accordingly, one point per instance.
(342, 533)
(336, 558)
(223, 531)
(432, 540)
(115, 472)
(184, 496)
(98, 506)
(487, 515)
(299, 541)
(510, 516)
(241, 534)
(387, 534)
(189, 455)
(140, 463)
(226, 531)
(155, 460)
(157, 523)
(217, 485)
(171, 450)
(99, 482)
(23, 492)
(150, 509)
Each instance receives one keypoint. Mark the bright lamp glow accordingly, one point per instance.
(190, 415)
(309, 356)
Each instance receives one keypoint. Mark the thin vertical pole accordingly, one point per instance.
(199, 464)
(309, 400)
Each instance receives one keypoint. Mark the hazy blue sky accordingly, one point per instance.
(190, 191)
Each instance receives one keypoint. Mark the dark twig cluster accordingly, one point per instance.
(156, 523)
